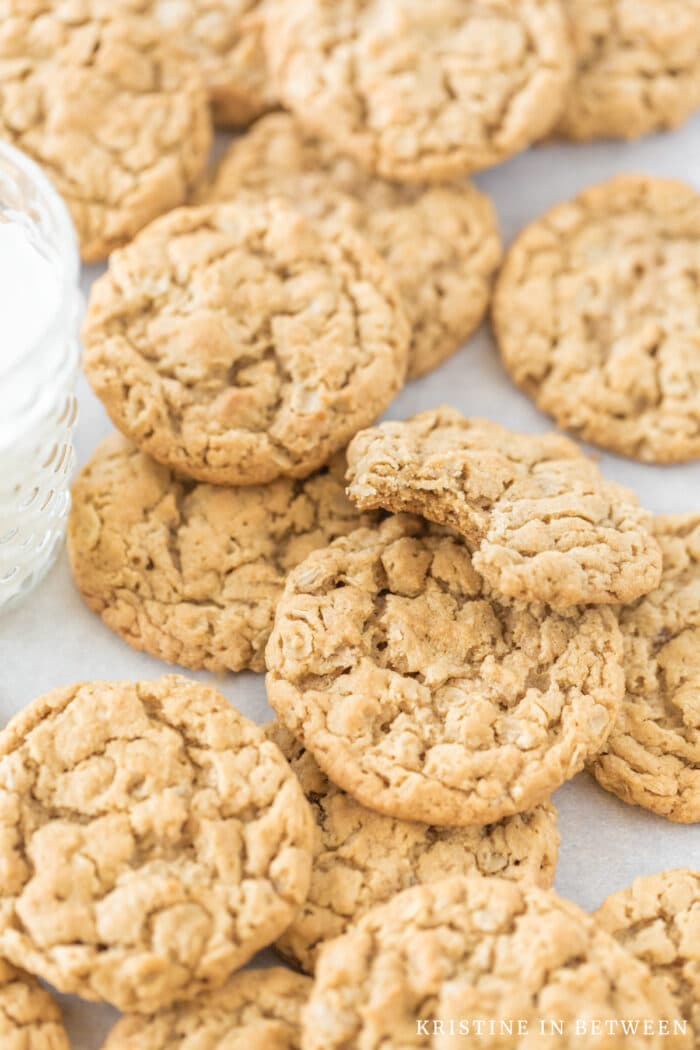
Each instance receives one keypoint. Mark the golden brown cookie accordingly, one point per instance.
(657, 919)
(362, 858)
(542, 522)
(422, 91)
(426, 696)
(240, 342)
(225, 37)
(154, 840)
(637, 67)
(441, 242)
(596, 313)
(109, 106)
(652, 756)
(255, 1010)
(192, 572)
(29, 1017)
(480, 950)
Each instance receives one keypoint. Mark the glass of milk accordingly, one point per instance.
(39, 315)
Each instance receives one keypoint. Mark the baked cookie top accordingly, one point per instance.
(30, 1019)
(240, 342)
(637, 67)
(596, 314)
(423, 694)
(154, 841)
(192, 572)
(362, 858)
(657, 919)
(652, 757)
(542, 522)
(109, 106)
(441, 242)
(419, 90)
(255, 1010)
(226, 39)
(475, 948)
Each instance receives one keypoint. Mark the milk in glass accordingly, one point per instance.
(39, 306)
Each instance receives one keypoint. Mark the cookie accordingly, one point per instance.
(29, 1017)
(424, 695)
(657, 919)
(109, 106)
(542, 522)
(637, 67)
(422, 91)
(480, 950)
(191, 572)
(441, 243)
(652, 756)
(154, 840)
(255, 1010)
(596, 315)
(362, 858)
(239, 342)
(225, 37)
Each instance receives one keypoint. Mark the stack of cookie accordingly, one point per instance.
(438, 670)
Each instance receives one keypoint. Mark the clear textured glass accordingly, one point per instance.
(38, 368)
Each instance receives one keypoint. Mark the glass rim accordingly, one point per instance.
(68, 251)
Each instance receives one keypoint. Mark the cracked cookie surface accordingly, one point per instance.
(111, 109)
(362, 858)
(30, 1019)
(652, 756)
(255, 1010)
(657, 919)
(192, 572)
(441, 243)
(154, 841)
(425, 696)
(543, 523)
(637, 67)
(226, 39)
(422, 91)
(596, 314)
(480, 949)
(240, 342)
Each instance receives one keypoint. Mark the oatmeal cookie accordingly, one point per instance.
(255, 1010)
(109, 106)
(29, 1017)
(652, 756)
(424, 695)
(596, 313)
(657, 919)
(154, 840)
(542, 522)
(362, 858)
(637, 67)
(422, 91)
(240, 342)
(478, 949)
(192, 572)
(441, 243)
(225, 37)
